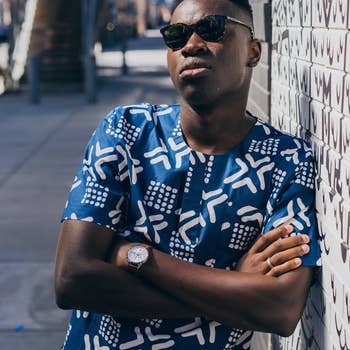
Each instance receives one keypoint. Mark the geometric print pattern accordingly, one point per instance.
(160, 197)
(141, 179)
(305, 175)
(278, 177)
(268, 146)
(95, 194)
(237, 338)
(109, 330)
(179, 249)
(242, 236)
(124, 130)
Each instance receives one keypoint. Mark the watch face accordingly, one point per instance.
(137, 254)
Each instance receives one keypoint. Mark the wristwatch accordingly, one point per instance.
(137, 256)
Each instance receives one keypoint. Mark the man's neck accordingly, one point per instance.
(215, 129)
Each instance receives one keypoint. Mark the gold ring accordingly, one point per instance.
(269, 262)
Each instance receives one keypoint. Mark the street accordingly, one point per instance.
(42, 147)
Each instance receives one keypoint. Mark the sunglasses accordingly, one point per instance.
(210, 28)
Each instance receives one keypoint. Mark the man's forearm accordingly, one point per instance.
(236, 299)
(100, 287)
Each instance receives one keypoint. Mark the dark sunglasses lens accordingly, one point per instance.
(175, 35)
(211, 28)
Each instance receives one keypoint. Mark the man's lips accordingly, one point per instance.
(194, 71)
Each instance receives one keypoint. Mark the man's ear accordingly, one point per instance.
(254, 53)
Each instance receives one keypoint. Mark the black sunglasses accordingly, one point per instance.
(210, 28)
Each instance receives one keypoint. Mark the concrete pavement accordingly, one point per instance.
(41, 150)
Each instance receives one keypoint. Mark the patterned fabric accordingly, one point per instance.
(140, 179)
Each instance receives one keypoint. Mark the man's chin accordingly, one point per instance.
(196, 94)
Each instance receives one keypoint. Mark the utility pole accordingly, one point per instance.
(89, 61)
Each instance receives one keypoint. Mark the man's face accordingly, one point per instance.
(203, 71)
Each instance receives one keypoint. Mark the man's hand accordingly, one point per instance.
(284, 253)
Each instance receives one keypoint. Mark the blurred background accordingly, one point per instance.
(65, 64)
(55, 41)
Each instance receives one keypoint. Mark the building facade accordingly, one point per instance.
(309, 96)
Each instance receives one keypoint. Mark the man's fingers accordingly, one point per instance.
(284, 268)
(289, 254)
(282, 245)
(266, 239)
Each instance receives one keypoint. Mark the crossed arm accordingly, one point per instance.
(253, 297)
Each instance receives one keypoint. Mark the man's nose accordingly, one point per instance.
(195, 45)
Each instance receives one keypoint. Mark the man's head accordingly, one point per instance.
(206, 63)
(245, 6)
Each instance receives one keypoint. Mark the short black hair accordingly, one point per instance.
(244, 5)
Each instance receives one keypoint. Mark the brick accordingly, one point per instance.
(318, 45)
(279, 12)
(319, 100)
(317, 146)
(280, 40)
(275, 115)
(339, 17)
(344, 180)
(345, 222)
(340, 259)
(346, 95)
(337, 290)
(329, 47)
(335, 48)
(320, 11)
(321, 84)
(280, 95)
(329, 205)
(316, 118)
(300, 76)
(330, 14)
(303, 111)
(346, 302)
(294, 13)
(304, 77)
(337, 90)
(339, 332)
(293, 98)
(280, 69)
(334, 132)
(306, 22)
(345, 138)
(294, 128)
(300, 43)
(347, 54)
(327, 86)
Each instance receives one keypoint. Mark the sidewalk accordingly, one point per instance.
(42, 147)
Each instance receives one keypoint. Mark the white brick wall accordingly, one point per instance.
(310, 97)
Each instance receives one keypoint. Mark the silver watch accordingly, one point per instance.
(137, 256)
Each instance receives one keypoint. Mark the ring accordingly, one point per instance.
(269, 262)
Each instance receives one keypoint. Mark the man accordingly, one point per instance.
(190, 188)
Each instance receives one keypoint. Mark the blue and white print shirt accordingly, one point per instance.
(140, 179)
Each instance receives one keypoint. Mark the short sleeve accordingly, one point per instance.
(97, 194)
(292, 199)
